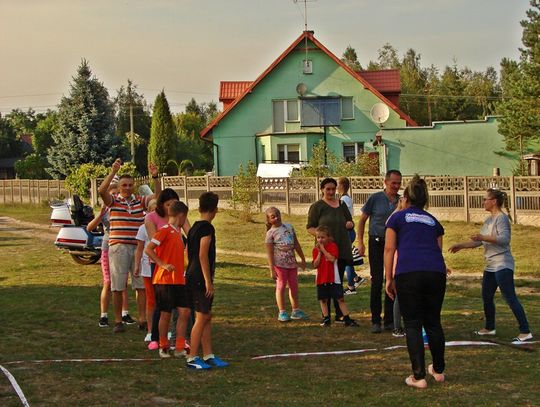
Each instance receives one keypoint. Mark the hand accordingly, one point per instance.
(477, 238)
(136, 271)
(209, 290)
(349, 225)
(169, 267)
(455, 248)
(273, 274)
(361, 248)
(302, 264)
(153, 169)
(391, 288)
(116, 165)
(448, 271)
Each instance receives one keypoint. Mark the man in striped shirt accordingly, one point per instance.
(126, 215)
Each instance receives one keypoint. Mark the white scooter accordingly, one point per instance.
(72, 216)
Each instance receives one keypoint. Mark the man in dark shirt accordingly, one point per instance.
(378, 208)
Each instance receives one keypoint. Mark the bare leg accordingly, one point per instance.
(105, 297)
(343, 307)
(280, 298)
(206, 340)
(117, 305)
(125, 302)
(293, 297)
(196, 333)
(164, 319)
(181, 325)
(324, 307)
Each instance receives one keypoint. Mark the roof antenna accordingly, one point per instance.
(305, 24)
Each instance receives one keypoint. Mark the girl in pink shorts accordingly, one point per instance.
(281, 243)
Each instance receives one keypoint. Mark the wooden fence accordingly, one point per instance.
(451, 198)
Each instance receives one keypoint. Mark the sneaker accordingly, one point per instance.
(398, 333)
(103, 322)
(179, 353)
(419, 384)
(119, 327)
(148, 337)
(351, 322)
(143, 326)
(522, 338)
(283, 316)
(359, 281)
(325, 321)
(376, 329)
(484, 332)
(216, 362)
(298, 314)
(164, 353)
(350, 291)
(126, 319)
(153, 345)
(198, 363)
(389, 327)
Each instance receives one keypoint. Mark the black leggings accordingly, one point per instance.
(342, 263)
(421, 295)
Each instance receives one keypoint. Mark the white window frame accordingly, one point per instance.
(352, 108)
(287, 119)
(358, 148)
(286, 152)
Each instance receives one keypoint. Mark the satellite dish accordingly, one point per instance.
(301, 89)
(379, 113)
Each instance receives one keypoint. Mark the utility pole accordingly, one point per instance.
(131, 133)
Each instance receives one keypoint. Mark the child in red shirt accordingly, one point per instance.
(329, 285)
(166, 249)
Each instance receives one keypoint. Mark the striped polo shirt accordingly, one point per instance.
(126, 215)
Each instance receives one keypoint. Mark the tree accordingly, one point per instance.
(520, 108)
(162, 146)
(128, 96)
(351, 59)
(85, 131)
(10, 146)
(33, 166)
(23, 122)
(388, 57)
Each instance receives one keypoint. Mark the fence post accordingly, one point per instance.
(48, 190)
(514, 200)
(287, 196)
(93, 192)
(317, 190)
(466, 198)
(259, 194)
(39, 191)
(207, 183)
(186, 189)
(20, 191)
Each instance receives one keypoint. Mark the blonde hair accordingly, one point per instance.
(267, 212)
(152, 205)
(416, 192)
(501, 198)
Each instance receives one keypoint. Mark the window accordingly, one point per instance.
(347, 111)
(352, 150)
(322, 111)
(289, 153)
(284, 111)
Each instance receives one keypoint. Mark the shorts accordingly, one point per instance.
(105, 270)
(171, 296)
(121, 263)
(329, 290)
(198, 300)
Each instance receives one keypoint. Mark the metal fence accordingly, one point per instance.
(451, 198)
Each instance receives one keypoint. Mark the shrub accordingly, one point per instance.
(245, 189)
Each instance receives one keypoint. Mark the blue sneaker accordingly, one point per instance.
(283, 316)
(216, 362)
(198, 363)
(298, 314)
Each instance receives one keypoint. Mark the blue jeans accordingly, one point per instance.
(504, 279)
(349, 270)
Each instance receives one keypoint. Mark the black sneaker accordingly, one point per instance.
(376, 329)
(326, 321)
(119, 327)
(359, 281)
(350, 291)
(103, 322)
(126, 319)
(398, 333)
(351, 322)
(339, 320)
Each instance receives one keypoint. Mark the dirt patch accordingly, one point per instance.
(27, 229)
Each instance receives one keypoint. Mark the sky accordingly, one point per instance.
(187, 46)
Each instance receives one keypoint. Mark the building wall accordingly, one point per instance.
(235, 134)
(449, 148)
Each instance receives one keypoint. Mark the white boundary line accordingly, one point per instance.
(15, 385)
(19, 362)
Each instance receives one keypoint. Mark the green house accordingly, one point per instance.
(308, 94)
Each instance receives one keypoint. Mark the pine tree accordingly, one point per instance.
(520, 108)
(85, 128)
(162, 147)
(350, 59)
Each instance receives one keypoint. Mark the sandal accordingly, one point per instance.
(412, 382)
(525, 338)
(439, 377)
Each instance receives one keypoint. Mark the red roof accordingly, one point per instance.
(291, 47)
(232, 89)
(386, 81)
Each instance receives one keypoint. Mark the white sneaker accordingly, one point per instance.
(485, 332)
(148, 337)
(523, 338)
(164, 353)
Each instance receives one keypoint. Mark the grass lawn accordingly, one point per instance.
(50, 311)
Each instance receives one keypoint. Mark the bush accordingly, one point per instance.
(78, 180)
(32, 167)
(245, 189)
